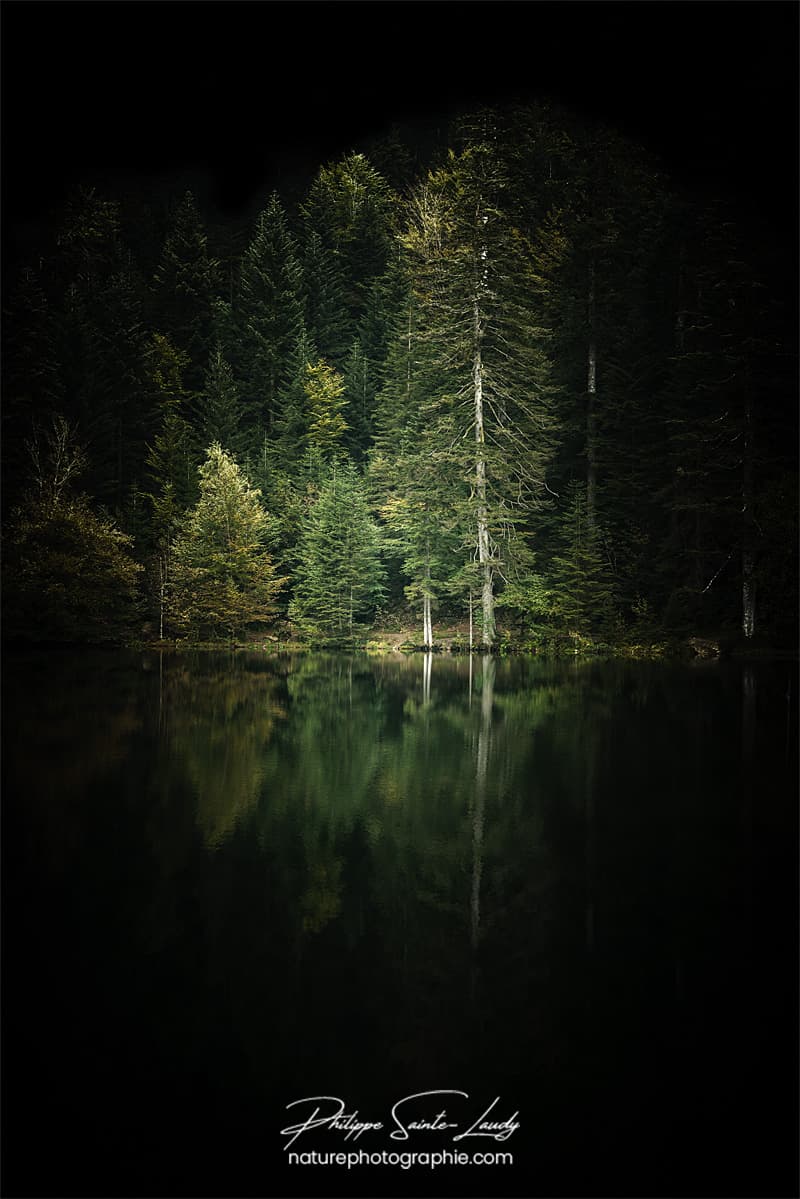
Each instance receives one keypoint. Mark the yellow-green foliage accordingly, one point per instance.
(69, 574)
(222, 578)
(324, 388)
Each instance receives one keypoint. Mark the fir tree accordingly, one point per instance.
(324, 290)
(339, 576)
(186, 284)
(218, 409)
(222, 579)
(473, 278)
(266, 317)
(324, 389)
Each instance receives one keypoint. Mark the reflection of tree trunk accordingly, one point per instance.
(481, 774)
(427, 666)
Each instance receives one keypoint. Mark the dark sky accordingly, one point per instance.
(248, 92)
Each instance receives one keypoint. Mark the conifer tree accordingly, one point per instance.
(222, 579)
(69, 572)
(326, 424)
(359, 399)
(291, 424)
(351, 207)
(186, 285)
(218, 408)
(339, 576)
(266, 317)
(326, 318)
(473, 278)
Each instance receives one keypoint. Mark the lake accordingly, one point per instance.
(562, 896)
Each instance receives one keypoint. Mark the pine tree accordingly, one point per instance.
(222, 578)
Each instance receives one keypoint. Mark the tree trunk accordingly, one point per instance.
(484, 553)
(591, 413)
(427, 623)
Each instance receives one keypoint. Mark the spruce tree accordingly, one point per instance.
(339, 576)
(218, 408)
(186, 285)
(351, 208)
(266, 317)
(324, 294)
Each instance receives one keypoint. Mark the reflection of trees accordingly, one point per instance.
(318, 776)
(69, 724)
(218, 716)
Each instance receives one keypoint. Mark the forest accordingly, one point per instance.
(511, 380)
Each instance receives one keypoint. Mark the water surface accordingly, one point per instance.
(233, 882)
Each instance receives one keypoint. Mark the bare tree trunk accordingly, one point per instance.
(484, 553)
(427, 623)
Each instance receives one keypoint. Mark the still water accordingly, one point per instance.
(234, 882)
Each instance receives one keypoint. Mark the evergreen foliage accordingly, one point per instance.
(222, 580)
(186, 285)
(339, 575)
(69, 575)
(542, 389)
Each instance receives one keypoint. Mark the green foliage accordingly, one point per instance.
(291, 424)
(443, 345)
(169, 458)
(350, 207)
(326, 318)
(324, 389)
(186, 283)
(68, 574)
(339, 576)
(266, 315)
(222, 579)
(581, 593)
(218, 409)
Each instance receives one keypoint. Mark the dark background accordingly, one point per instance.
(246, 95)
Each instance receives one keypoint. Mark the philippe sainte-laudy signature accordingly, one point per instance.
(412, 1115)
